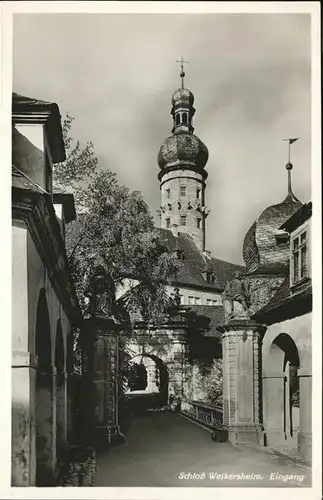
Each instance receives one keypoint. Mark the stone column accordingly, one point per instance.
(46, 426)
(241, 343)
(305, 415)
(151, 376)
(23, 449)
(177, 368)
(61, 414)
(100, 339)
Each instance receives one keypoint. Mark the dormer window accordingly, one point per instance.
(300, 267)
(282, 237)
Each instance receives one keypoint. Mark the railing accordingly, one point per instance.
(206, 414)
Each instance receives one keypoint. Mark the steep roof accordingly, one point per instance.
(286, 304)
(298, 218)
(20, 180)
(209, 317)
(194, 263)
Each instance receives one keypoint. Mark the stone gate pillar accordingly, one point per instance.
(100, 344)
(241, 344)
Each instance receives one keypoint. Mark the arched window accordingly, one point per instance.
(184, 118)
(178, 119)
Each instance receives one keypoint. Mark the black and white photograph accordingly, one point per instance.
(161, 316)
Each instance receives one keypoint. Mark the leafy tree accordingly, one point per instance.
(210, 383)
(114, 228)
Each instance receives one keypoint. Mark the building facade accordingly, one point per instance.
(201, 278)
(286, 348)
(266, 359)
(44, 304)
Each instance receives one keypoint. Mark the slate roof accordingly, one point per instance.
(286, 304)
(298, 218)
(18, 99)
(194, 263)
(210, 317)
(19, 180)
(260, 249)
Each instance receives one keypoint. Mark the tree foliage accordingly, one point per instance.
(210, 383)
(114, 228)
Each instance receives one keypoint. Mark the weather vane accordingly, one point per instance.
(290, 141)
(182, 73)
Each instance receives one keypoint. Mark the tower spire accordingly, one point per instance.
(182, 73)
(289, 167)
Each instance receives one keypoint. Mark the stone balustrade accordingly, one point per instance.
(205, 413)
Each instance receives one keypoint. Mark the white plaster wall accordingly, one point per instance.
(34, 132)
(190, 292)
(20, 296)
(191, 180)
(300, 330)
(38, 279)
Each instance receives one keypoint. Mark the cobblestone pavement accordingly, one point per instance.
(165, 449)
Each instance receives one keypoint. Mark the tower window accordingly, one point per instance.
(183, 191)
(167, 223)
(183, 220)
(167, 193)
(178, 119)
(198, 194)
(199, 223)
(184, 118)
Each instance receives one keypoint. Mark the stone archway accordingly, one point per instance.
(45, 395)
(61, 409)
(157, 380)
(281, 392)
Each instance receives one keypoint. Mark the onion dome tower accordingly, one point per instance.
(182, 159)
(264, 247)
(266, 250)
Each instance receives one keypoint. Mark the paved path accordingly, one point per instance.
(163, 448)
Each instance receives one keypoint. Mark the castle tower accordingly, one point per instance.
(182, 158)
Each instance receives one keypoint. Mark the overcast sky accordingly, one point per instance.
(115, 73)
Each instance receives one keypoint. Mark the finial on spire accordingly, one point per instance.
(182, 73)
(289, 165)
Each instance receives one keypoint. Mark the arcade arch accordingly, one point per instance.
(281, 392)
(61, 416)
(45, 408)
